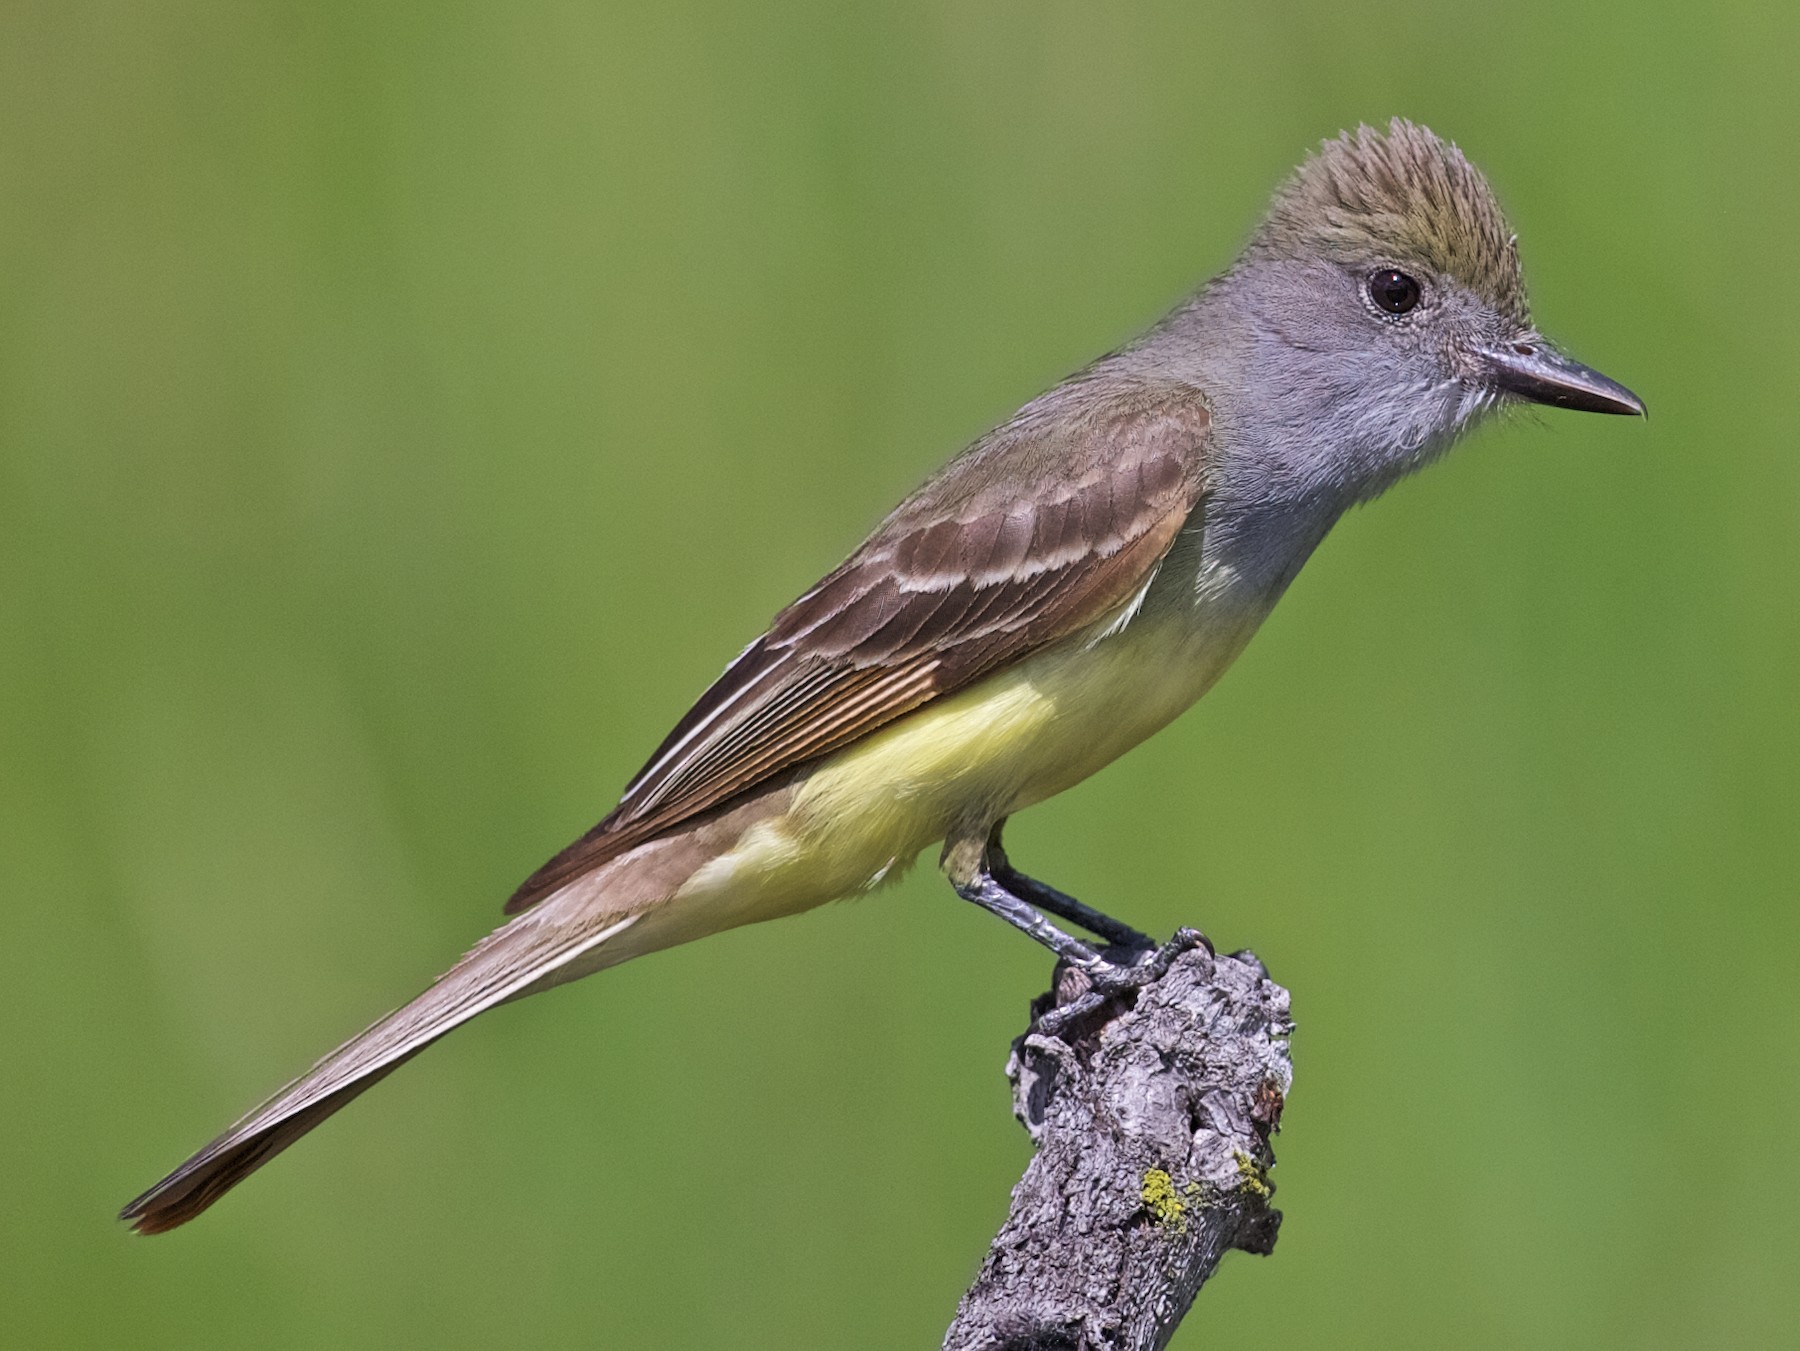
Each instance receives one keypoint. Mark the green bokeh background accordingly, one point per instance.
(405, 410)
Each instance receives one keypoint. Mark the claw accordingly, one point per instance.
(1108, 979)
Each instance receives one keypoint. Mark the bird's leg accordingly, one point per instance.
(1059, 903)
(1105, 978)
(987, 892)
(970, 865)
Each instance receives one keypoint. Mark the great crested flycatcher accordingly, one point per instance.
(1055, 594)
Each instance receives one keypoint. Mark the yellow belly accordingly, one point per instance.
(861, 817)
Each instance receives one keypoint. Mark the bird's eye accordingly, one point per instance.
(1392, 291)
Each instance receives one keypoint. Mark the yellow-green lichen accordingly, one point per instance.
(1163, 1201)
(1254, 1179)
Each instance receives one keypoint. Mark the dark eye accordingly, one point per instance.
(1393, 291)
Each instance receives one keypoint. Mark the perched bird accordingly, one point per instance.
(1054, 595)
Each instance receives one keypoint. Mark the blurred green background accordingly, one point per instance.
(406, 409)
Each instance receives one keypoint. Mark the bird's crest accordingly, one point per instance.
(1366, 196)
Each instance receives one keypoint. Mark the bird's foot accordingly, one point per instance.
(1106, 979)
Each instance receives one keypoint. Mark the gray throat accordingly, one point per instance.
(1301, 431)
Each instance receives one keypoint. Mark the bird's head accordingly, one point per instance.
(1380, 309)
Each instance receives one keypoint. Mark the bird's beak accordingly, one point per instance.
(1530, 368)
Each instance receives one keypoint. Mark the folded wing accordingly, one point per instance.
(1043, 527)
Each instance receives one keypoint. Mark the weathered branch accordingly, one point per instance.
(1151, 1116)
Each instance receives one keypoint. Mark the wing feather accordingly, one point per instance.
(1042, 528)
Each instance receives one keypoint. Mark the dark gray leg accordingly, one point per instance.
(1047, 898)
(1105, 978)
(979, 871)
(988, 893)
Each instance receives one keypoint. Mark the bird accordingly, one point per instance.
(1056, 593)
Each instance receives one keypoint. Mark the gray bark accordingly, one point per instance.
(1151, 1116)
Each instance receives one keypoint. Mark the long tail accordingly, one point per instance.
(528, 954)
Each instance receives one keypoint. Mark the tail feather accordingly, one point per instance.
(509, 963)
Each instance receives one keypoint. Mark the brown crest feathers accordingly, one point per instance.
(1406, 196)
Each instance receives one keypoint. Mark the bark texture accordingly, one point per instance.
(1152, 1116)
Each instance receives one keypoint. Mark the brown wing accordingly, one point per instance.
(1041, 528)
